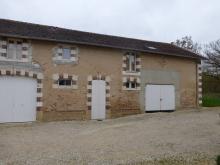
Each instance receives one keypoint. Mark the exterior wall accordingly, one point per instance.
(92, 61)
(180, 72)
(72, 103)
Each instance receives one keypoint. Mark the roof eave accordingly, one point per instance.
(102, 45)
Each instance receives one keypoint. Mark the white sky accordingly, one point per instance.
(156, 20)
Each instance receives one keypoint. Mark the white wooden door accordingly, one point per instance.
(159, 98)
(167, 94)
(152, 97)
(17, 99)
(98, 99)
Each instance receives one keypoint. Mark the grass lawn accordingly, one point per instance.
(211, 100)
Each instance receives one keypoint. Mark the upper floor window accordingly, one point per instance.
(65, 54)
(131, 62)
(14, 50)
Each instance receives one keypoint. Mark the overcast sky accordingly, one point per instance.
(157, 20)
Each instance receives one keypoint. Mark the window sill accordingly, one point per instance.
(55, 86)
(131, 73)
(65, 62)
(14, 60)
(131, 89)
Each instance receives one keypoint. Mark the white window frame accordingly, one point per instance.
(65, 79)
(130, 54)
(130, 85)
(15, 43)
(58, 59)
(69, 49)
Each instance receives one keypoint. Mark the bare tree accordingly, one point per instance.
(187, 43)
(212, 51)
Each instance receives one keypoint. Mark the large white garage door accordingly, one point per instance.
(17, 99)
(98, 99)
(159, 98)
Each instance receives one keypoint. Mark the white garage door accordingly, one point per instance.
(159, 98)
(98, 99)
(17, 99)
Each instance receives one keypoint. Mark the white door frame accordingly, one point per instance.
(98, 100)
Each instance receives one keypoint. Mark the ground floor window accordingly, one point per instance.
(131, 85)
(65, 82)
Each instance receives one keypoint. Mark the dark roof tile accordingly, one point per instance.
(42, 32)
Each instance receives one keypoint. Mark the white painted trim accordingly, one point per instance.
(3, 50)
(3, 72)
(89, 78)
(40, 76)
(89, 95)
(55, 76)
(108, 79)
(131, 73)
(107, 87)
(40, 85)
(108, 95)
(39, 104)
(89, 86)
(39, 94)
(65, 75)
(124, 79)
(74, 77)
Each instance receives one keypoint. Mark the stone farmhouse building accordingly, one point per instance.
(49, 73)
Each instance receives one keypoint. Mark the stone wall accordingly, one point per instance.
(93, 61)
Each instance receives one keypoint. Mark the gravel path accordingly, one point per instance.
(188, 134)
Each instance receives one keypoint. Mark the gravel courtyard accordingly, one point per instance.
(188, 135)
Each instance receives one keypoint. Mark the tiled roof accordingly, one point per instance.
(50, 33)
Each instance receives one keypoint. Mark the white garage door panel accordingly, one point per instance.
(98, 99)
(152, 97)
(159, 97)
(18, 99)
(167, 97)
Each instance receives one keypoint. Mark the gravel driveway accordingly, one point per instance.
(187, 134)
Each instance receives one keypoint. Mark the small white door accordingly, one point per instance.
(167, 94)
(159, 98)
(18, 99)
(152, 97)
(98, 99)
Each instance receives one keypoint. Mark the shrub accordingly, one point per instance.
(218, 160)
